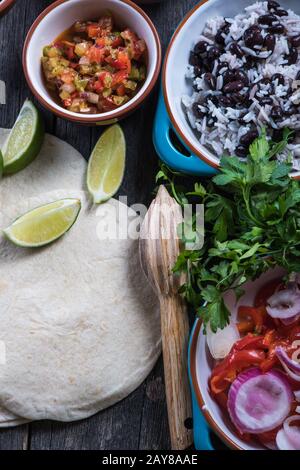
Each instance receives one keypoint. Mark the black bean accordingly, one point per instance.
(273, 5)
(210, 80)
(295, 41)
(248, 138)
(279, 77)
(233, 87)
(252, 29)
(194, 59)
(219, 38)
(276, 29)
(276, 113)
(225, 101)
(213, 53)
(267, 20)
(250, 62)
(229, 76)
(292, 57)
(201, 47)
(221, 66)
(281, 12)
(235, 49)
(253, 37)
(238, 98)
(241, 151)
(211, 122)
(208, 65)
(277, 135)
(247, 102)
(198, 71)
(266, 81)
(291, 111)
(213, 99)
(269, 42)
(197, 112)
(241, 75)
(266, 100)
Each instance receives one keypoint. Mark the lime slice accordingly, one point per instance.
(107, 164)
(24, 141)
(44, 224)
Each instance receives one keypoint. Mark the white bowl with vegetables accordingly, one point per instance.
(258, 408)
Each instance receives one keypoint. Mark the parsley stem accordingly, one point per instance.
(246, 197)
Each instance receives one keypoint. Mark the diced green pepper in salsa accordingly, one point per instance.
(95, 68)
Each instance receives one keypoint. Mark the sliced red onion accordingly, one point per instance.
(259, 402)
(283, 357)
(290, 321)
(288, 438)
(221, 342)
(285, 304)
(297, 395)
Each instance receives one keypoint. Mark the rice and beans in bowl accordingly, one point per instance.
(245, 74)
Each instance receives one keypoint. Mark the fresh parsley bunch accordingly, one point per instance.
(252, 223)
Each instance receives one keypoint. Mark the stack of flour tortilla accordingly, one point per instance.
(80, 327)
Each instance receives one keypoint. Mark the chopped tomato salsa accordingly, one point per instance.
(94, 67)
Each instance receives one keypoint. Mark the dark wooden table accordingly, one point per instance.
(140, 421)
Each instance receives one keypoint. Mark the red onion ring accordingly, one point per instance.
(288, 438)
(284, 304)
(284, 358)
(259, 402)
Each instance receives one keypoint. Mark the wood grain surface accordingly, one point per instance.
(140, 421)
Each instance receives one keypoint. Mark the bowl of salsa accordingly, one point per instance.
(92, 62)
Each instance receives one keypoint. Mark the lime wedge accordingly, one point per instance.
(107, 165)
(44, 224)
(24, 141)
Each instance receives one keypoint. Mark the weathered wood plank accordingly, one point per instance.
(140, 421)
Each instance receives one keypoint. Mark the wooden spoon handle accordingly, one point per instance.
(175, 334)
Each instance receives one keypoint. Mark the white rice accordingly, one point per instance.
(232, 123)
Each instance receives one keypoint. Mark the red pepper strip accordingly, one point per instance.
(245, 326)
(249, 342)
(256, 314)
(226, 372)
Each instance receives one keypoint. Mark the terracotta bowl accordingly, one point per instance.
(177, 59)
(58, 17)
(5, 5)
(201, 365)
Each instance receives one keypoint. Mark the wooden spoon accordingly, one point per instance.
(159, 249)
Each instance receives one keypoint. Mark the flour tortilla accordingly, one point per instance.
(58, 166)
(9, 419)
(80, 324)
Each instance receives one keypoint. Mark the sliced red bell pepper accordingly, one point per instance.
(247, 352)
(257, 314)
